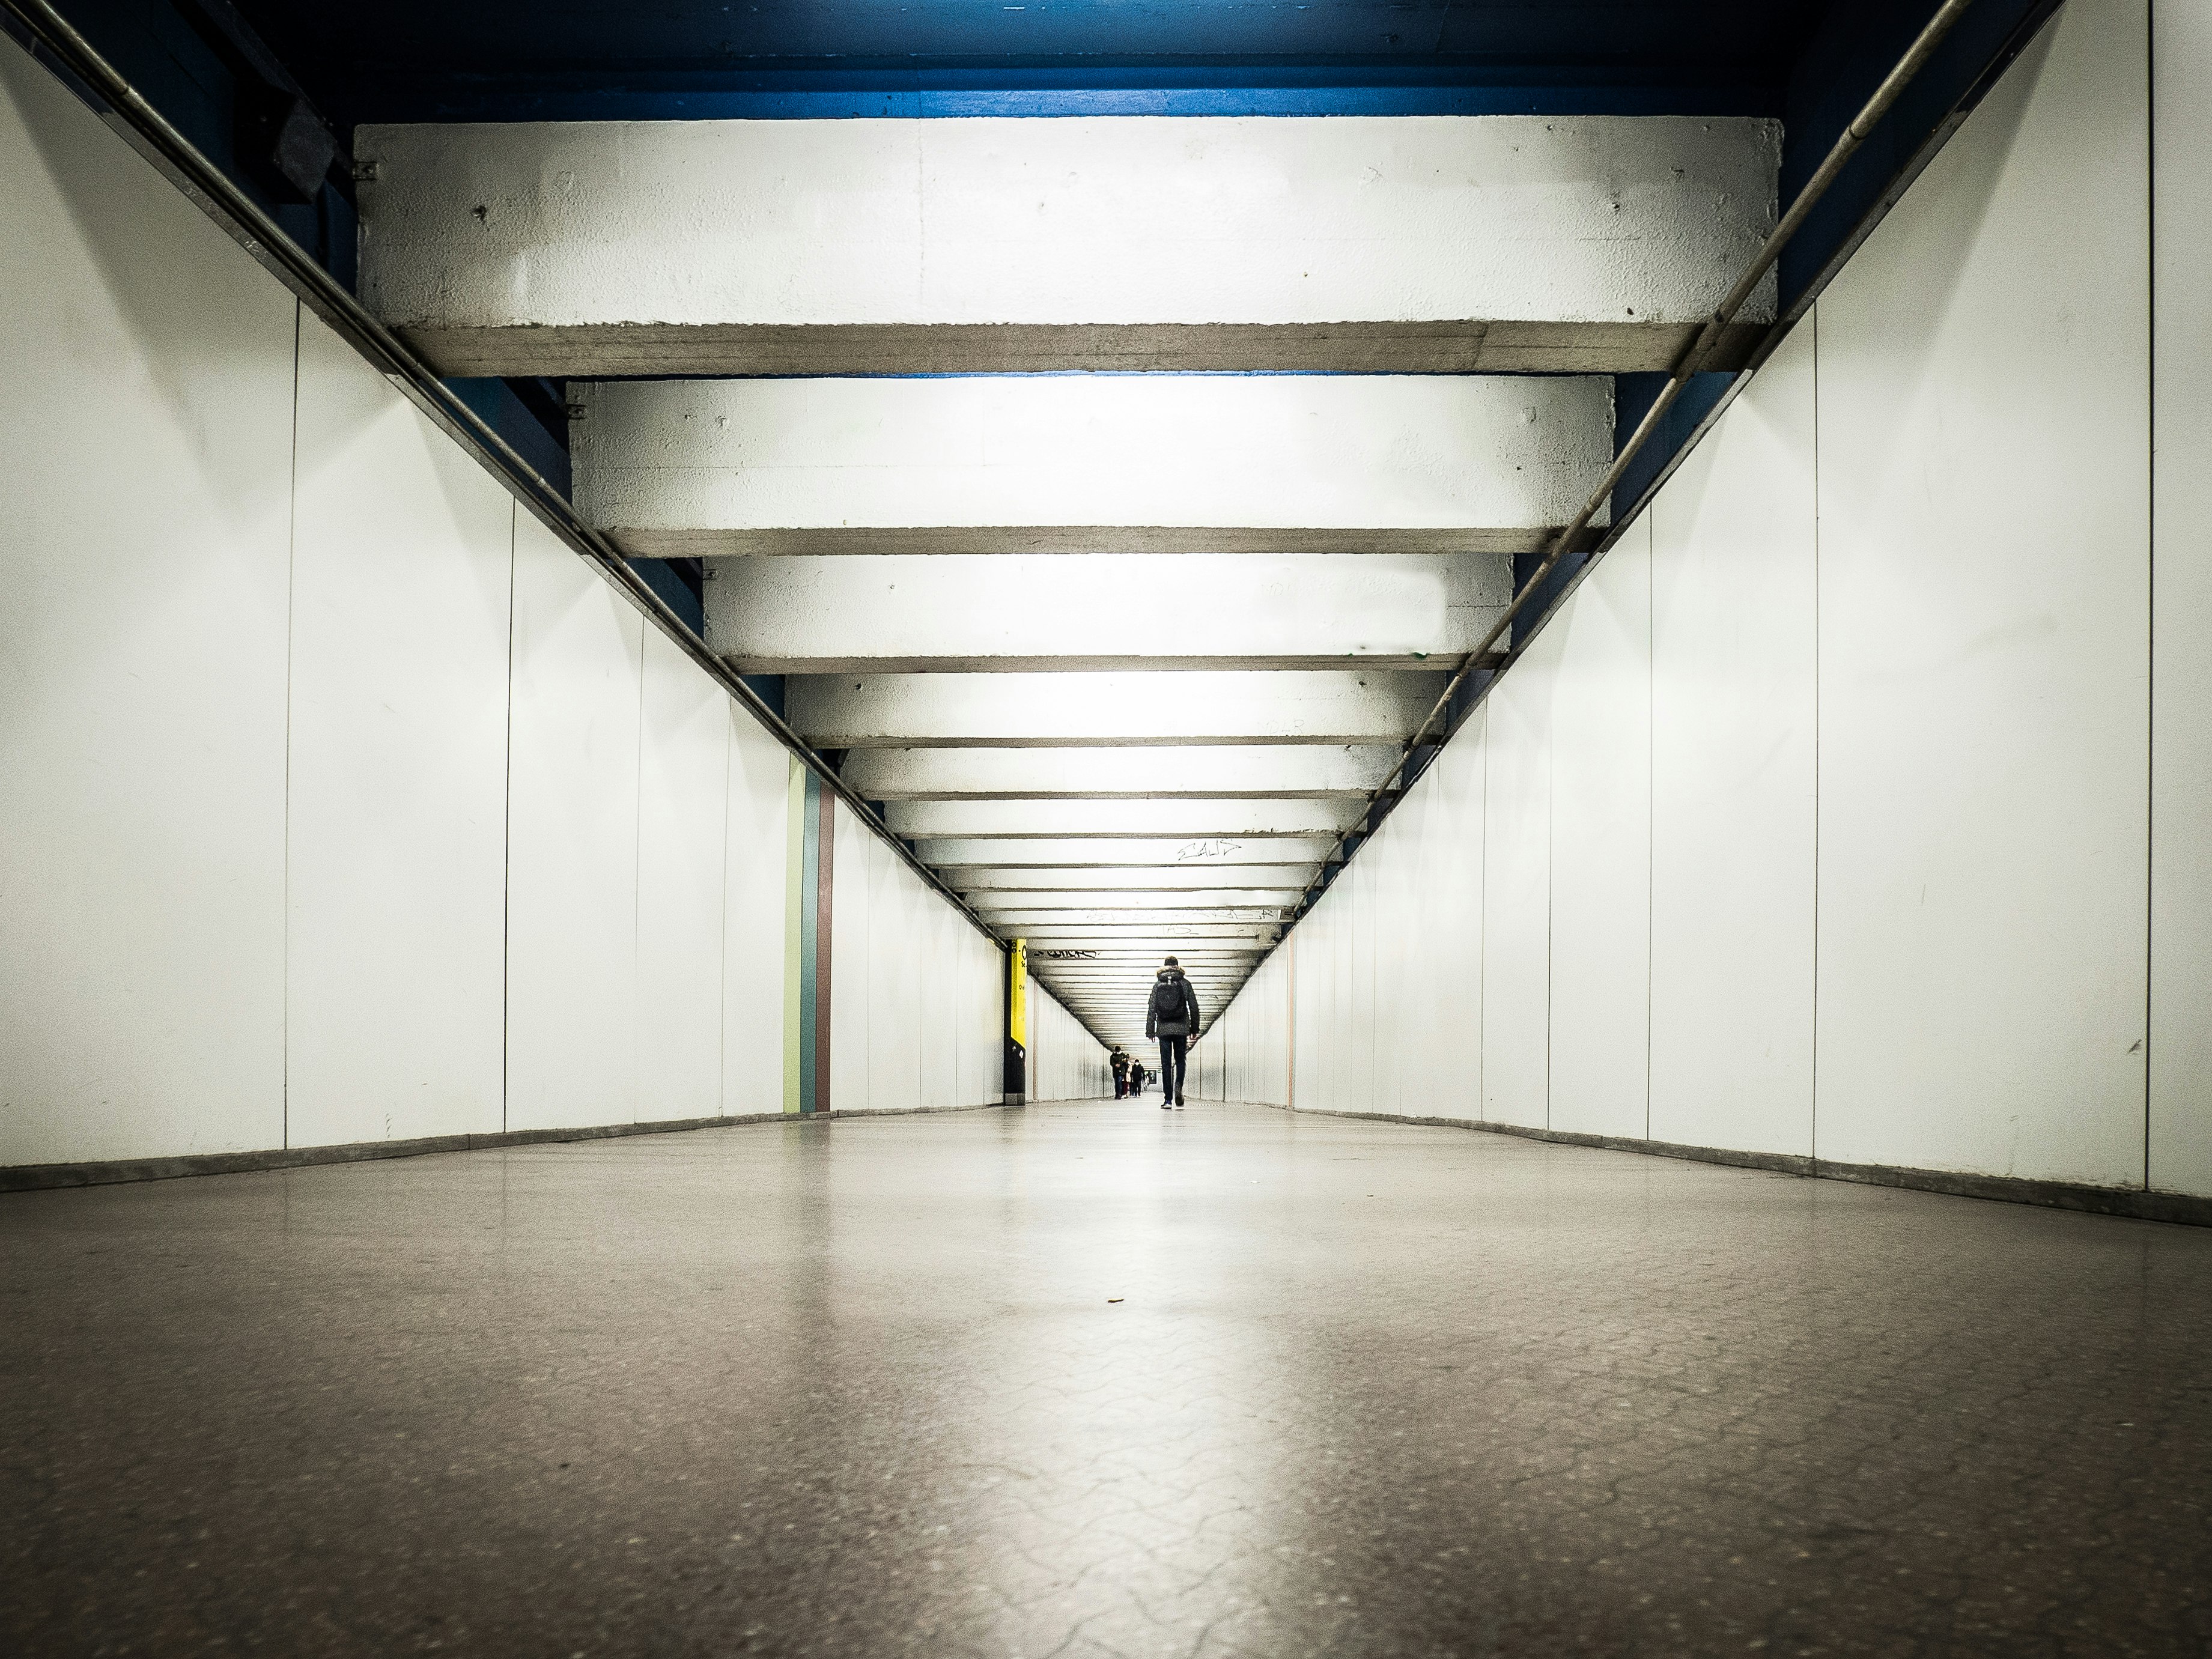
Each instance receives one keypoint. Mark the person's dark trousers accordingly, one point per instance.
(1172, 1056)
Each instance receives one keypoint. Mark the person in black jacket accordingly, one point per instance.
(1119, 1062)
(1171, 1015)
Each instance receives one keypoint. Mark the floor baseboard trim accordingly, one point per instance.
(844, 1112)
(2133, 1203)
(45, 1177)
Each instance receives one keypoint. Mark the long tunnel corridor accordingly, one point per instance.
(1106, 828)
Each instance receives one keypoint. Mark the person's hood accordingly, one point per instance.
(1170, 973)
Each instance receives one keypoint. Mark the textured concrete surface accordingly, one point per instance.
(1404, 463)
(865, 1388)
(1131, 710)
(1042, 612)
(1280, 770)
(677, 247)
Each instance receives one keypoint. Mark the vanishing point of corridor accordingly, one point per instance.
(1090, 1380)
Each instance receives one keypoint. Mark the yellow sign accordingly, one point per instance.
(1017, 993)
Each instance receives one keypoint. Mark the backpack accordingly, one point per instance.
(1167, 1001)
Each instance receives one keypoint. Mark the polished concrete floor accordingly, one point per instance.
(1094, 1380)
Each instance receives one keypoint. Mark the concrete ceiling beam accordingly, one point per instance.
(1110, 953)
(984, 884)
(1133, 710)
(1107, 922)
(1459, 243)
(914, 820)
(1128, 998)
(1138, 975)
(1043, 465)
(956, 855)
(1122, 902)
(1165, 937)
(1127, 1010)
(1192, 956)
(1218, 771)
(1030, 613)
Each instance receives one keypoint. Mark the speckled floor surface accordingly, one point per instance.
(860, 1389)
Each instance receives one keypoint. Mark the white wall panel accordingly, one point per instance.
(1322, 1010)
(1983, 391)
(402, 568)
(1402, 938)
(1393, 948)
(1066, 1061)
(1317, 1005)
(148, 429)
(894, 968)
(982, 1020)
(1447, 998)
(1356, 1090)
(572, 842)
(1516, 893)
(939, 987)
(1407, 933)
(758, 826)
(918, 906)
(1276, 1078)
(1601, 878)
(2181, 715)
(1042, 1049)
(1345, 1068)
(1232, 1031)
(853, 939)
(1309, 995)
(682, 812)
(916, 999)
(1734, 750)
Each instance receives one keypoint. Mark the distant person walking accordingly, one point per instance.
(1136, 1079)
(1171, 1015)
(1119, 1062)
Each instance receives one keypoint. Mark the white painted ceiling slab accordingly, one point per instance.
(1097, 464)
(807, 247)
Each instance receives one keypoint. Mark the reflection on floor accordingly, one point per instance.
(866, 1388)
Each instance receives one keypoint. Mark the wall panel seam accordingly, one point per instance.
(507, 843)
(291, 586)
(1651, 783)
(2150, 557)
(1812, 1119)
(637, 1032)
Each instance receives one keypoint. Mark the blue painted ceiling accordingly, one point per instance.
(513, 59)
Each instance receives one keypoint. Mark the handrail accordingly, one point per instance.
(216, 195)
(1691, 360)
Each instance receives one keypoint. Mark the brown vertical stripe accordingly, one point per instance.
(824, 889)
